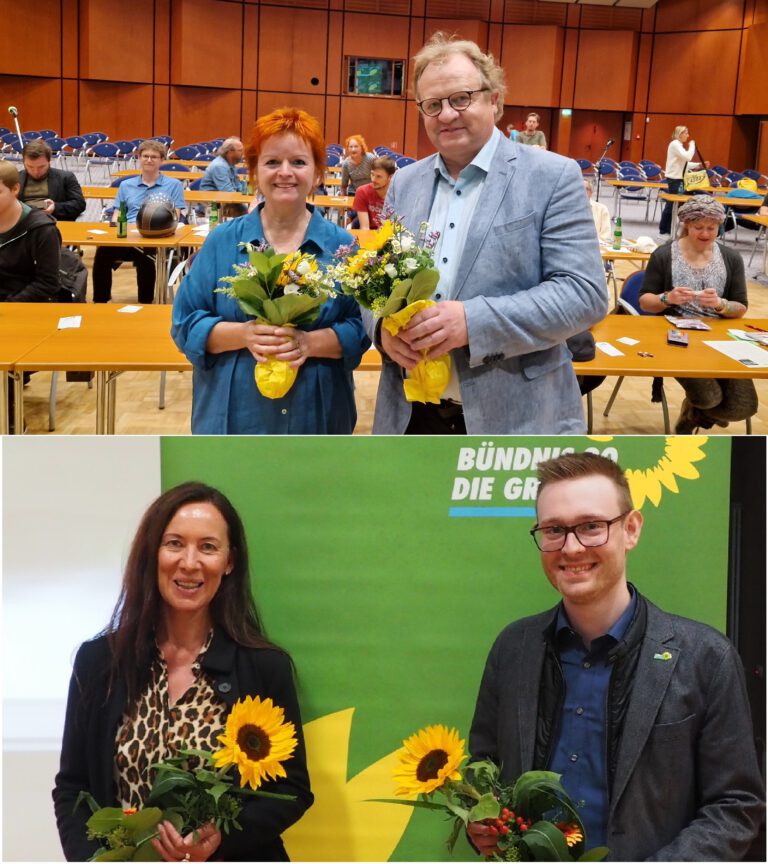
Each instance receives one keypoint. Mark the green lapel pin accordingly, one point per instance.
(665, 656)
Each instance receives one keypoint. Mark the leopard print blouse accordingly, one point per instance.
(158, 730)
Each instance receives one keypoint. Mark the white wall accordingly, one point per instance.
(70, 506)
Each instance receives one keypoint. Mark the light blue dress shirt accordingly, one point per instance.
(220, 176)
(134, 191)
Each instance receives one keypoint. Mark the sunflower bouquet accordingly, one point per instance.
(256, 741)
(393, 274)
(533, 819)
(282, 290)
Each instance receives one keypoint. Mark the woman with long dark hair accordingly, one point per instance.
(185, 642)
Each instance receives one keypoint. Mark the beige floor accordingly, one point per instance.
(138, 412)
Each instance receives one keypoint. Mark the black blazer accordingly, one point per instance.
(88, 746)
(64, 190)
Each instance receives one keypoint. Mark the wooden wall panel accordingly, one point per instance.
(684, 15)
(163, 36)
(332, 125)
(384, 36)
(379, 121)
(267, 101)
(70, 100)
(335, 54)
(117, 41)
(741, 153)
(161, 109)
(38, 101)
(761, 159)
(247, 113)
(695, 72)
(70, 34)
(570, 59)
(199, 113)
(643, 72)
(120, 110)
(29, 42)
(752, 95)
(196, 59)
(464, 28)
(605, 72)
(292, 50)
(250, 48)
(533, 77)
(590, 130)
(711, 133)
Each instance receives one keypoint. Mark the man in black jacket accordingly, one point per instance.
(50, 189)
(644, 714)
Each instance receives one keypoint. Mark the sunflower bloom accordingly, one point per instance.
(572, 833)
(257, 741)
(429, 758)
(380, 238)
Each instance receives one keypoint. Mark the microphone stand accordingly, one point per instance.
(15, 115)
(598, 164)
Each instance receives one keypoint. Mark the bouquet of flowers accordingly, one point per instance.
(533, 819)
(282, 290)
(394, 275)
(256, 741)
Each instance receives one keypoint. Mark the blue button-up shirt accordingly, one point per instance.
(580, 751)
(134, 191)
(220, 175)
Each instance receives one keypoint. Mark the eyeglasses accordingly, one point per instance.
(551, 538)
(458, 101)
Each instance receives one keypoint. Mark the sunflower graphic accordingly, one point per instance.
(257, 741)
(428, 759)
(677, 461)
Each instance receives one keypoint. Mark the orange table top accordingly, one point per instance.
(104, 234)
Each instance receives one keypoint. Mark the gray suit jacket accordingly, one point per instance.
(687, 786)
(530, 277)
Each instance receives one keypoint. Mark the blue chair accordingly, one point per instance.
(334, 148)
(101, 155)
(631, 193)
(76, 145)
(3, 131)
(206, 157)
(402, 161)
(629, 303)
(195, 185)
(189, 151)
(332, 159)
(175, 167)
(731, 219)
(31, 136)
(587, 168)
(57, 146)
(719, 169)
(47, 134)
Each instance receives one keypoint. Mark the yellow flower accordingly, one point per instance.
(380, 238)
(357, 262)
(256, 741)
(300, 263)
(572, 833)
(429, 758)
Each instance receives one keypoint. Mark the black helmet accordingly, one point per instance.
(157, 217)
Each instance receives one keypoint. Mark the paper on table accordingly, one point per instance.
(71, 322)
(130, 309)
(610, 350)
(746, 353)
(628, 340)
(96, 231)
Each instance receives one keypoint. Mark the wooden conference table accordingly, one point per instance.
(191, 196)
(738, 203)
(104, 234)
(177, 175)
(107, 342)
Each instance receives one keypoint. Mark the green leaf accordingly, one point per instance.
(418, 803)
(424, 284)
(599, 853)
(217, 791)
(272, 313)
(167, 782)
(458, 824)
(105, 819)
(546, 842)
(143, 820)
(292, 306)
(124, 853)
(397, 299)
(255, 308)
(147, 852)
(89, 800)
(205, 755)
(487, 807)
(261, 262)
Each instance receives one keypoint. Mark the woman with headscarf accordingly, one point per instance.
(695, 276)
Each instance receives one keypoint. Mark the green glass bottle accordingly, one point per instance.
(122, 222)
(213, 216)
(617, 234)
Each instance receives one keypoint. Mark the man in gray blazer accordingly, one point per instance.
(519, 262)
(643, 713)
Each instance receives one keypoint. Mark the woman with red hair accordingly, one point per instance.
(286, 160)
(356, 167)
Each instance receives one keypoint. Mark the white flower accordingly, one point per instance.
(410, 264)
(406, 243)
(291, 289)
(303, 267)
(390, 270)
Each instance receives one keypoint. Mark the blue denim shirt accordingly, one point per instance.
(134, 191)
(220, 176)
(224, 395)
(580, 750)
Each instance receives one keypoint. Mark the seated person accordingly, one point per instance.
(532, 135)
(133, 192)
(369, 199)
(694, 275)
(356, 166)
(29, 246)
(600, 215)
(50, 189)
(221, 175)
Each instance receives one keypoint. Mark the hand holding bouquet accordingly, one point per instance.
(283, 291)
(394, 275)
(256, 741)
(532, 819)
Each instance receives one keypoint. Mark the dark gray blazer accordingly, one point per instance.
(64, 190)
(687, 785)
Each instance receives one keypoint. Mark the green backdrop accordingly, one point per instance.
(387, 582)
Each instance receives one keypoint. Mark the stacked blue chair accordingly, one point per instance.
(190, 151)
(103, 155)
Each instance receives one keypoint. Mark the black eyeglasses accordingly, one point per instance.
(595, 532)
(458, 101)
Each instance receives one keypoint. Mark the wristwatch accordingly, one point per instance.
(664, 300)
